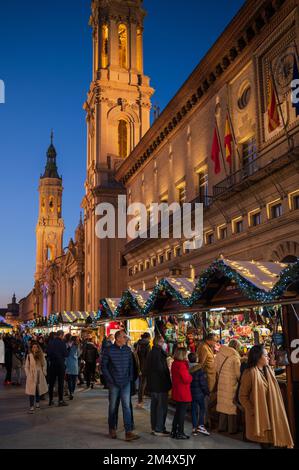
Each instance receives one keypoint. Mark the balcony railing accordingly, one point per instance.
(238, 177)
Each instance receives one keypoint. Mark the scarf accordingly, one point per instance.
(270, 415)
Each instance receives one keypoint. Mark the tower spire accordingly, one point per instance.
(51, 170)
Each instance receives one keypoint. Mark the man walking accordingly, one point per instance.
(159, 384)
(117, 368)
(143, 349)
(90, 355)
(57, 352)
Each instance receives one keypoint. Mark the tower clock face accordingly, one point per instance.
(284, 71)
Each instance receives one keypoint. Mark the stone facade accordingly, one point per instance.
(118, 116)
(251, 210)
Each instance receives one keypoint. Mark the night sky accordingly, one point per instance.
(45, 62)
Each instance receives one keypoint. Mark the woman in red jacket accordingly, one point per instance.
(181, 392)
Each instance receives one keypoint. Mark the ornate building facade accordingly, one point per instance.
(59, 275)
(250, 208)
(118, 116)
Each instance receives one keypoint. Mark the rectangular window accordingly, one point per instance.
(210, 238)
(178, 251)
(131, 272)
(141, 267)
(154, 262)
(296, 202)
(168, 255)
(238, 225)
(276, 211)
(249, 156)
(147, 265)
(223, 233)
(161, 259)
(203, 187)
(256, 219)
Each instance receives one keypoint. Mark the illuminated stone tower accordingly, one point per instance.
(50, 226)
(118, 115)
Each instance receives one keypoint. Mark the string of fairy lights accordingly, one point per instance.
(140, 303)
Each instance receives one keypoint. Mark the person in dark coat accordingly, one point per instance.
(143, 349)
(90, 355)
(56, 355)
(199, 390)
(117, 368)
(158, 384)
(8, 358)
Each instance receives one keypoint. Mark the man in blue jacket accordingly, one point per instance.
(56, 355)
(117, 368)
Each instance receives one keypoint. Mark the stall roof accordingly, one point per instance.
(256, 281)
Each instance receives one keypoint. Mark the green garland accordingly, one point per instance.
(128, 302)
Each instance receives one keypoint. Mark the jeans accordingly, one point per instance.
(179, 417)
(90, 371)
(32, 397)
(198, 412)
(8, 367)
(71, 381)
(56, 371)
(141, 388)
(159, 408)
(123, 394)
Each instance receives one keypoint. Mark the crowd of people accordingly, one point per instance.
(192, 380)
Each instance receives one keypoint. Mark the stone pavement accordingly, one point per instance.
(83, 425)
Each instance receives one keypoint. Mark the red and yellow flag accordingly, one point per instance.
(273, 113)
(228, 139)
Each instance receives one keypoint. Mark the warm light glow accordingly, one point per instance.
(123, 139)
(105, 39)
(123, 46)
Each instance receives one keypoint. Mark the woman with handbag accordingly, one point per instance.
(265, 416)
(36, 371)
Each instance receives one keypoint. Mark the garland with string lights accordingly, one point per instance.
(128, 302)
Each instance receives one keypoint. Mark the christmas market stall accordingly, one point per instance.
(252, 301)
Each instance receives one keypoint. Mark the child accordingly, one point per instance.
(199, 390)
(181, 393)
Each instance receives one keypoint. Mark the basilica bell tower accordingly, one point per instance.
(50, 226)
(118, 115)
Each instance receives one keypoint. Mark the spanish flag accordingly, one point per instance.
(228, 139)
(273, 113)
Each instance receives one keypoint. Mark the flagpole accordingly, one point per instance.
(221, 150)
(260, 202)
(291, 146)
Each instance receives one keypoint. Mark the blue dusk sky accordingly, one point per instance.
(45, 62)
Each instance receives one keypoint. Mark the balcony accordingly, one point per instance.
(254, 171)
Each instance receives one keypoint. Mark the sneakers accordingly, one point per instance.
(7, 382)
(131, 436)
(37, 406)
(71, 397)
(31, 410)
(51, 403)
(202, 430)
(62, 403)
(195, 432)
(140, 406)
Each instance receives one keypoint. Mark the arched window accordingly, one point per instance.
(123, 45)
(123, 138)
(50, 256)
(51, 203)
(43, 205)
(105, 38)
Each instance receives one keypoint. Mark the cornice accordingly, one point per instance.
(244, 33)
